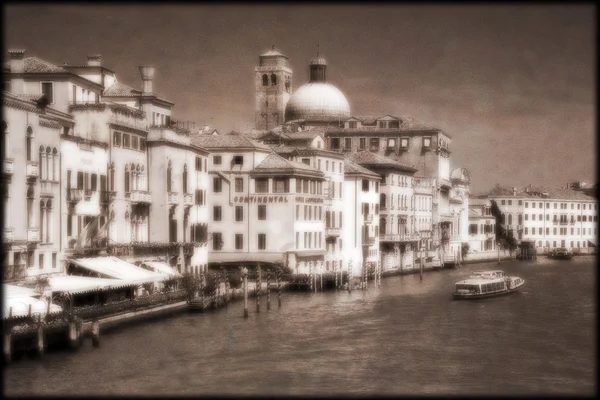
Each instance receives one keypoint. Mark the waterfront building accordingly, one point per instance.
(264, 208)
(32, 185)
(361, 218)
(482, 226)
(308, 147)
(399, 224)
(551, 217)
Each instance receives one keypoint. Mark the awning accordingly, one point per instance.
(19, 307)
(221, 257)
(116, 268)
(81, 284)
(12, 291)
(162, 268)
(592, 242)
(309, 253)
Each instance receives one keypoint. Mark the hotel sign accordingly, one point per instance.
(260, 199)
(302, 199)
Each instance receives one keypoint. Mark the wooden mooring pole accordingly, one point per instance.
(278, 276)
(8, 344)
(96, 333)
(268, 290)
(245, 275)
(41, 345)
(258, 285)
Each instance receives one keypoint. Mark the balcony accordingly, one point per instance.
(32, 170)
(87, 194)
(426, 234)
(369, 241)
(368, 218)
(8, 235)
(490, 235)
(74, 195)
(173, 198)
(332, 231)
(139, 196)
(564, 222)
(188, 199)
(9, 166)
(33, 235)
(407, 237)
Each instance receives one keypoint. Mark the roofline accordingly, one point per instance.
(390, 166)
(53, 75)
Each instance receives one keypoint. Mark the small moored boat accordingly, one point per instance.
(483, 284)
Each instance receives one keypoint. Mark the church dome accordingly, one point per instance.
(317, 101)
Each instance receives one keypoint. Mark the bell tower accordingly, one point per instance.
(273, 84)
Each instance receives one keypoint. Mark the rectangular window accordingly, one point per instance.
(239, 241)
(239, 213)
(262, 212)
(116, 138)
(54, 260)
(348, 144)
(426, 142)
(510, 202)
(126, 142)
(261, 185)
(94, 185)
(216, 213)
(335, 143)
(381, 124)
(365, 185)
(298, 185)
(217, 185)
(217, 241)
(281, 185)
(262, 241)
(41, 261)
(142, 144)
(297, 212)
(374, 144)
(238, 160)
(198, 164)
(404, 143)
(306, 161)
(352, 124)
(217, 160)
(362, 143)
(520, 202)
(503, 202)
(48, 91)
(135, 143)
(239, 185)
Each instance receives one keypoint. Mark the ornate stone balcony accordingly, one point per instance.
(407, 237)
(8, 235)
(173, 198)
(368, 240)
(75, 195)
(32, 170)
(33, 235)
(368, 218)
(188, 199)
(106, 196)
(9, 166)
(139, 196)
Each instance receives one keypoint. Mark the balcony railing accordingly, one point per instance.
(188, 199)
(333, 231)
(75, 195)
(87, 194)
(563, 222)
(173, 198)
(368, 218)
(106, 196)
(139, 196)
(33, 235)
(32, 169)
(369, 240)
(406, 237)
(8, 235)
(9, 166)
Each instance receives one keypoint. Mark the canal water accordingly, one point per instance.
(405, 338)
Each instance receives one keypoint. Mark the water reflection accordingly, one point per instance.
(408, 337)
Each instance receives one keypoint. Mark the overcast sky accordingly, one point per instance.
(513, 85)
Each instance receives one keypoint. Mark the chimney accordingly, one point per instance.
(147, 73)
(94, 60)
(514, 191)
(17, 62)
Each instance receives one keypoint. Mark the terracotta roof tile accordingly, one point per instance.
(373, 159)
(37, 65)
(227, 141)
(276, 162)
(353, 168)
(120, 89)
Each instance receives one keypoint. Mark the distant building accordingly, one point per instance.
(273, 88)
(482, 226)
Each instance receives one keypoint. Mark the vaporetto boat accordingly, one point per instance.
(482, 284)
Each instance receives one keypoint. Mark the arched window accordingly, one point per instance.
(520, 219)
(5, 130)
(49, 164)
(126, 179)
(169, 177)
(29, 143)
(49, 220)
(383, 201)
(382, 226)
(265, 80)
(112, 176)
(56, 164)
(273, 79)
(185, 179)
(143, 182)
(42, 220)
(133, 177)
(43, 170)
(30, 211)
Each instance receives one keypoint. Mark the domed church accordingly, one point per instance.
(316, 103)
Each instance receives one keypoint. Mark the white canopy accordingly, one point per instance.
(12, 291)
(80, 284)
(20, 307)
(118, 269)
(162, 268)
